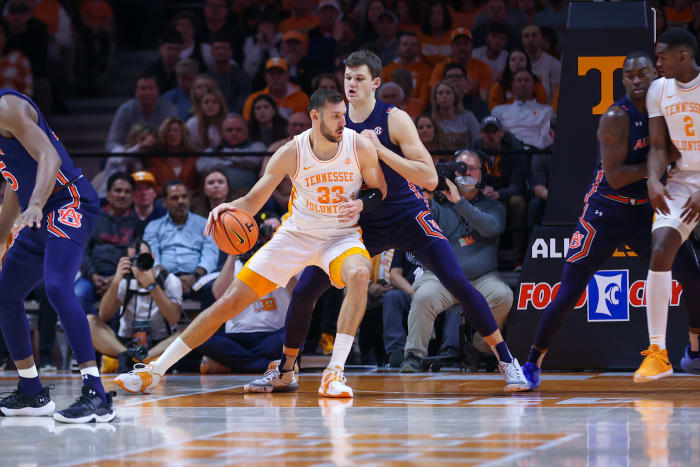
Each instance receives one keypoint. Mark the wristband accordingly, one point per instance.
(371, 199)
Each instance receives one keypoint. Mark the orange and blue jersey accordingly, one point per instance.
(403, 219)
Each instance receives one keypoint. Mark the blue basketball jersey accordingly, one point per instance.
(18, 167)
(402, 197)
(637, 150)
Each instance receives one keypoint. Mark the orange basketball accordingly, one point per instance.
(235, 232)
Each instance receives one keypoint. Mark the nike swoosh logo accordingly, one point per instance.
(309, 167)
(241, 240)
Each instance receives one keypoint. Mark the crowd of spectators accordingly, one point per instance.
(232, 79)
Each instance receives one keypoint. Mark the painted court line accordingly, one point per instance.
(175, 396)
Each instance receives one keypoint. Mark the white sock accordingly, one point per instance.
(29, 372)
(171, 356)
(658, 291)
(341, 350)
(90, 370)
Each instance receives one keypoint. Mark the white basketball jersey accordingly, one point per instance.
(319, 186)
(679, 104)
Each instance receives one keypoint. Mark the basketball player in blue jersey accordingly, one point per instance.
(402, 220)
(54, 208)
(616, 212)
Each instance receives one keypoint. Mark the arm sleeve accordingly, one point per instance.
(489, 223)
(654, 98)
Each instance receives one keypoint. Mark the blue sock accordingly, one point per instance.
(31, 386)
(96, 384)
(503, 352)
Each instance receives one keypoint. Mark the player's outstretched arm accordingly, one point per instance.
(613, 135)
(282, 163)
(371, 171)
(19, 117)
(417, 166)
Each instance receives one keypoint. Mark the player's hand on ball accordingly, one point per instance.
(691, 209)
(31, 217)
(349, 209)
(657, 196)
(215, 213)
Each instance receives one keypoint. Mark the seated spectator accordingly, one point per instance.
(177, 241)
(233, 82)
(205, 126)
(113, 233)
(409, 59)
(387, 42)
(412, 105)
(240, 170)
(493, 53)
(478, 72)
(254, 338)
(174, 138)
(460, 126)
(293, 51)
(261, 46)
(497, 11)
(185, 72)
(435, 36)
(396, 303)
(147, 206)
(146, 107)
(368, 19)
(266, 124)
(507, 177)
(148, 304)
(431, 135)
(326, 81)
(214, 191)
(201, 85)
(555, 14)
(169, 48)
(303, 17)
(457, 75)
(371, 341)
(550, 42)
(15, 69)
(97, 33)
(409, 14)
(288, 97)
(502, 92)
(187, 24)
(544, 66)
(472, 223)
(140, 139)
(526, 118)
(216, 19)
(322, 39)
(529, 7)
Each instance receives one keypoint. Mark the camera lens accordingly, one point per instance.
(144, 261)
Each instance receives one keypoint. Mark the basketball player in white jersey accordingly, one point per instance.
(673, 103)
(327, 165)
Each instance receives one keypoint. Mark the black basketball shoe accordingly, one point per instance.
(19, 403)
(88, 408)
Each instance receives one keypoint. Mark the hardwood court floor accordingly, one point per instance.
(575, 419)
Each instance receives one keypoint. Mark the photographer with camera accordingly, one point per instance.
(253, 339)
(149, 303)
(473, 224)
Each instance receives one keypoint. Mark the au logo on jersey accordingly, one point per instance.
(69, 217)
(606, 66)
(576, 240)
(378, 130)
(608, 296)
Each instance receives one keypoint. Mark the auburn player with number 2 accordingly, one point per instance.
(54, 209)
(327, 165)
(616, 211)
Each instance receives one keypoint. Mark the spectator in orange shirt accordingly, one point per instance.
(288, 97)
(174, 138)
(678, 12)
(502, 92)
(435, 33)
(302, 19)
(15, 70)
(478, 73)
(411, 105)
(464, 12)
(408, 59)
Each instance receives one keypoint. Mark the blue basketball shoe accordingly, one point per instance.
(532, 375)
(690, 365)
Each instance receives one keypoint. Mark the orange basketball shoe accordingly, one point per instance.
(139, 380)
(333, 383)
(654, 366)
